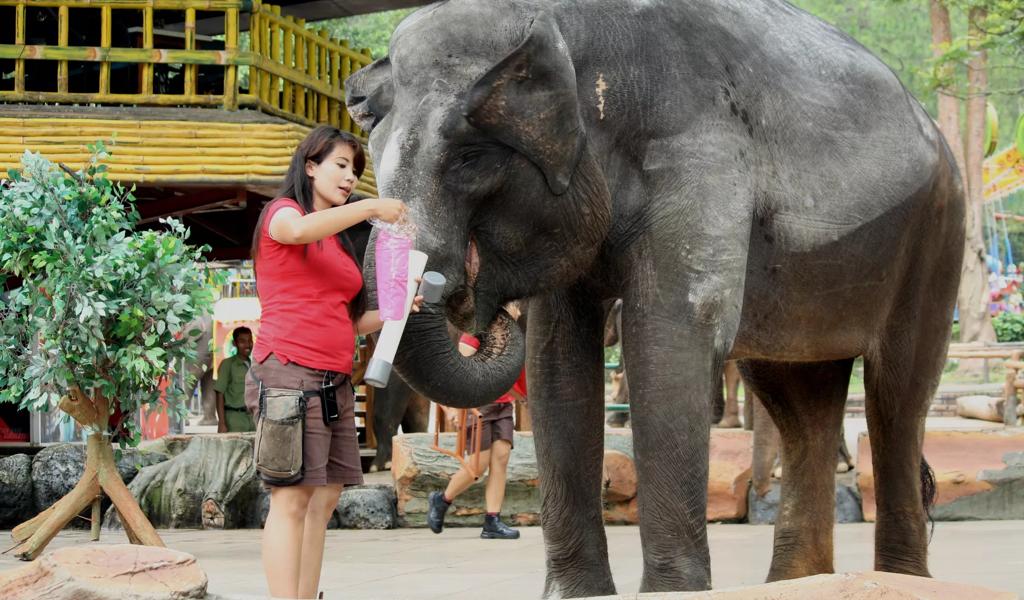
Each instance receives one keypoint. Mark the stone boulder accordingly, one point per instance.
(210, 483)
(978, 474)
(871, 585)
(56, 470)
(419, 470)
(367, 507)
(107, 572)
(763, 510)
(985, 408)
(16, 502)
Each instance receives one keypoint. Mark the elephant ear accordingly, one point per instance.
(528, 102)
(369, 93)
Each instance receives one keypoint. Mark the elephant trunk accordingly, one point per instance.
(428, 359)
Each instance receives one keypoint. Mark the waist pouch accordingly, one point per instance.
(277, 450)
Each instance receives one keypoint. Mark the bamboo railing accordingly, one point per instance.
(294, 73)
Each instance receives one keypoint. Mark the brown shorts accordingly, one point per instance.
(496, 420)
(330, 454)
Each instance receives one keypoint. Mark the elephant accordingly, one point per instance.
(751, 182)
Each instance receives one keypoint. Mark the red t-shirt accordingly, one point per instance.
(305, 300)
(519, 386)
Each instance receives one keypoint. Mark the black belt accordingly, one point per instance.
(237, 408)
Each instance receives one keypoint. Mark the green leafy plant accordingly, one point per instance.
(1009, 327)
(95, 317)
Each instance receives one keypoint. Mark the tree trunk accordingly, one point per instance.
(949, 104)
(100, 476)
(973, 296)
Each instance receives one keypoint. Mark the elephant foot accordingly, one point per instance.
(374, 468)
(842, 467)
(777, 473)
(729, 422)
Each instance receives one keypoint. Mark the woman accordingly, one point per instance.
(311, 294)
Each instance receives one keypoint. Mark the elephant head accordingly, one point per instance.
(482, 137)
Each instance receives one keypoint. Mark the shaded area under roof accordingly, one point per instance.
(311, 10)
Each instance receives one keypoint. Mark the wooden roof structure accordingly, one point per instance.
(203, 127)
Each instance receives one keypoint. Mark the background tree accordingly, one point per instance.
(93, 321)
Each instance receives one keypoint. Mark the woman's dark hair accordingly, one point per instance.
(317, 146)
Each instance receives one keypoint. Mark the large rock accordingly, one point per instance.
(367, 507)
(978, 474)
(419, 470)
(56, 470)
(107, 572)
(16, 502)
(871, 585)
(210, 483)
(764, 510)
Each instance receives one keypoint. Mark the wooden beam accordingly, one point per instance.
(174, 206)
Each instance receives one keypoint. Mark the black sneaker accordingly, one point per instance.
(494, 529)
(436, 508)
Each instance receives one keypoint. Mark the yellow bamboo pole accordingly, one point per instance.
(254, 47)
(311, 72)
(300, 66)
(264, 34)
(289, 63)
(346, 70)
(147, 43)
(274, 31)
(191, 71)
(335, 106)
(62, 41)
(231, 71)
(19, 39)
(323, 116)
(105, 41)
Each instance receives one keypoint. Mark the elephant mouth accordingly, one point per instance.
(461, 303)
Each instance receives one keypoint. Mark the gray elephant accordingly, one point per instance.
(750, 181)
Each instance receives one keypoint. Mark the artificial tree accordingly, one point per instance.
(92, 322)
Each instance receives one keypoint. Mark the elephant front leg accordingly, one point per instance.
(565, 390)
(671, 373)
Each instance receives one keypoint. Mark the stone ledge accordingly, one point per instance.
(870, 585)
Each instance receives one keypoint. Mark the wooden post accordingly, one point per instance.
(97, 518)
(19, 38)
(346, 70)
(62, 41)
(274, 31)
(300, 66)
(264, 34)
(311, 71)
(334, 107)
(147, 43)
(1010, 393)
(323, 69)
(254, 46)
(289, 63)
(105, 41)
(231, 71)
(191, 71)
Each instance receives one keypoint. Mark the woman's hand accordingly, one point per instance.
(418, 300)
(388, 210)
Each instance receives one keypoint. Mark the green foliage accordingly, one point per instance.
(99, 307)
(1009, 327)
(371, 30)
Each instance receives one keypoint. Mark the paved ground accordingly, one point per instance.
(415, 564)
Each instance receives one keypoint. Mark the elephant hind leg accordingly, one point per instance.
(806, 401)
(899, 383)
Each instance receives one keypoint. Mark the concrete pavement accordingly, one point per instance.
(416, 564)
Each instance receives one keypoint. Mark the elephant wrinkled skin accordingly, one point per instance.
(751, 182)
